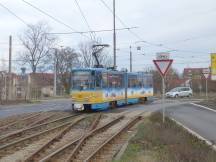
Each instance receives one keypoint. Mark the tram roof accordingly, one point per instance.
(108, 70)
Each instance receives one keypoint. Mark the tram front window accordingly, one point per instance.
(81, 80)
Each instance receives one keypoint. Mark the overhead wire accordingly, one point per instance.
(95, 31)
(126, 26)
(92, 34)
(139, 38)
(15, 15)
(54, 18)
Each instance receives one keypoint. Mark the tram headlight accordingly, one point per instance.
(79, 107)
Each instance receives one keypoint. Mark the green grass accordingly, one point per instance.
(167, 142)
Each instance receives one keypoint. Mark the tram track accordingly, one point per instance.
(14, 136)
(69, 134)
(73, 138)
(19, 124)
(71, 148)
(11, 119)
(18, 143)
(108, 148)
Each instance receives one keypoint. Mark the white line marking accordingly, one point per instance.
(204, 107)
(195, 134)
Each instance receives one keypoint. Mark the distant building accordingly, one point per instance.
(193, 73)
(195, 79)
(29, 86)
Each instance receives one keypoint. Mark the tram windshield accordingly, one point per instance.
(82, 80)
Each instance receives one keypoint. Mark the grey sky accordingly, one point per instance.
(186, 25)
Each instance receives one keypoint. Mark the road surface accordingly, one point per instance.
(199, 120)
(50, 105)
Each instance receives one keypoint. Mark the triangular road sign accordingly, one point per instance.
(163, 66)
(206, 75)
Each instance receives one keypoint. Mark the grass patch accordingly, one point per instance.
(167, 142)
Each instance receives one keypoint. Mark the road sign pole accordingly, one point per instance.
(163, 66)
(207, 88)
(163, 97)
(206, 73)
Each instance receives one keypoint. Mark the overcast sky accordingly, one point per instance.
(187, 26)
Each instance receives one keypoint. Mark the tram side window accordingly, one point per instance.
(149, 81)
(115, 80)
(133, 82)
(98, 80)
(140, 81)
(104, 80)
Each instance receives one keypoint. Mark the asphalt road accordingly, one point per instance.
(197, 119)
(51, 105)
(65, 105)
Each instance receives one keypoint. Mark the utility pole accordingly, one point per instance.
(131, 59)
(55, 73)
(9, 96)
(114, 34)
(10, 52)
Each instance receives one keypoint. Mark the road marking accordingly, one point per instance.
(204, 107)
(195, 134)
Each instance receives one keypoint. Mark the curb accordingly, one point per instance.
(204, 107)
(195, 134)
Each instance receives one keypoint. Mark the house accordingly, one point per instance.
(40, 85)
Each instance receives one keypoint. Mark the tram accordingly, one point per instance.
(101, 88)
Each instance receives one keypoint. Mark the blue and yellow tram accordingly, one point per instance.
(100, 88)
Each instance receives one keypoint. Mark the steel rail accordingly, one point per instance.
(72, 145)
(40, 121)
(16, 122)
(8, 147)
(53, 140)
(11, 119)
(90, 134)
(19, 133)
(93, 156)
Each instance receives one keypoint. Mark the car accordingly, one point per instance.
(179, 92)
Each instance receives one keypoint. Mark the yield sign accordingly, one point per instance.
(206, 72)
(163, 66)
(206, 76)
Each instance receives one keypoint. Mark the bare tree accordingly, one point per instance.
(37, 43)
(66, 59)
(86, 58)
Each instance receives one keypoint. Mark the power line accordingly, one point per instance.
(12, 13)
(139, 38)
(133, 33)
(95, 31)
(84, 18)
(53, 18)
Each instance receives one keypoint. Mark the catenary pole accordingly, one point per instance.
(131, 69)
(114, 33)
(55, 73)
(9, 96)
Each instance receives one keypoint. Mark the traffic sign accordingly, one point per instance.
(163, 66)
(162, 56)
(206, 73)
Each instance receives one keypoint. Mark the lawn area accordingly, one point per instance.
(158, 142)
